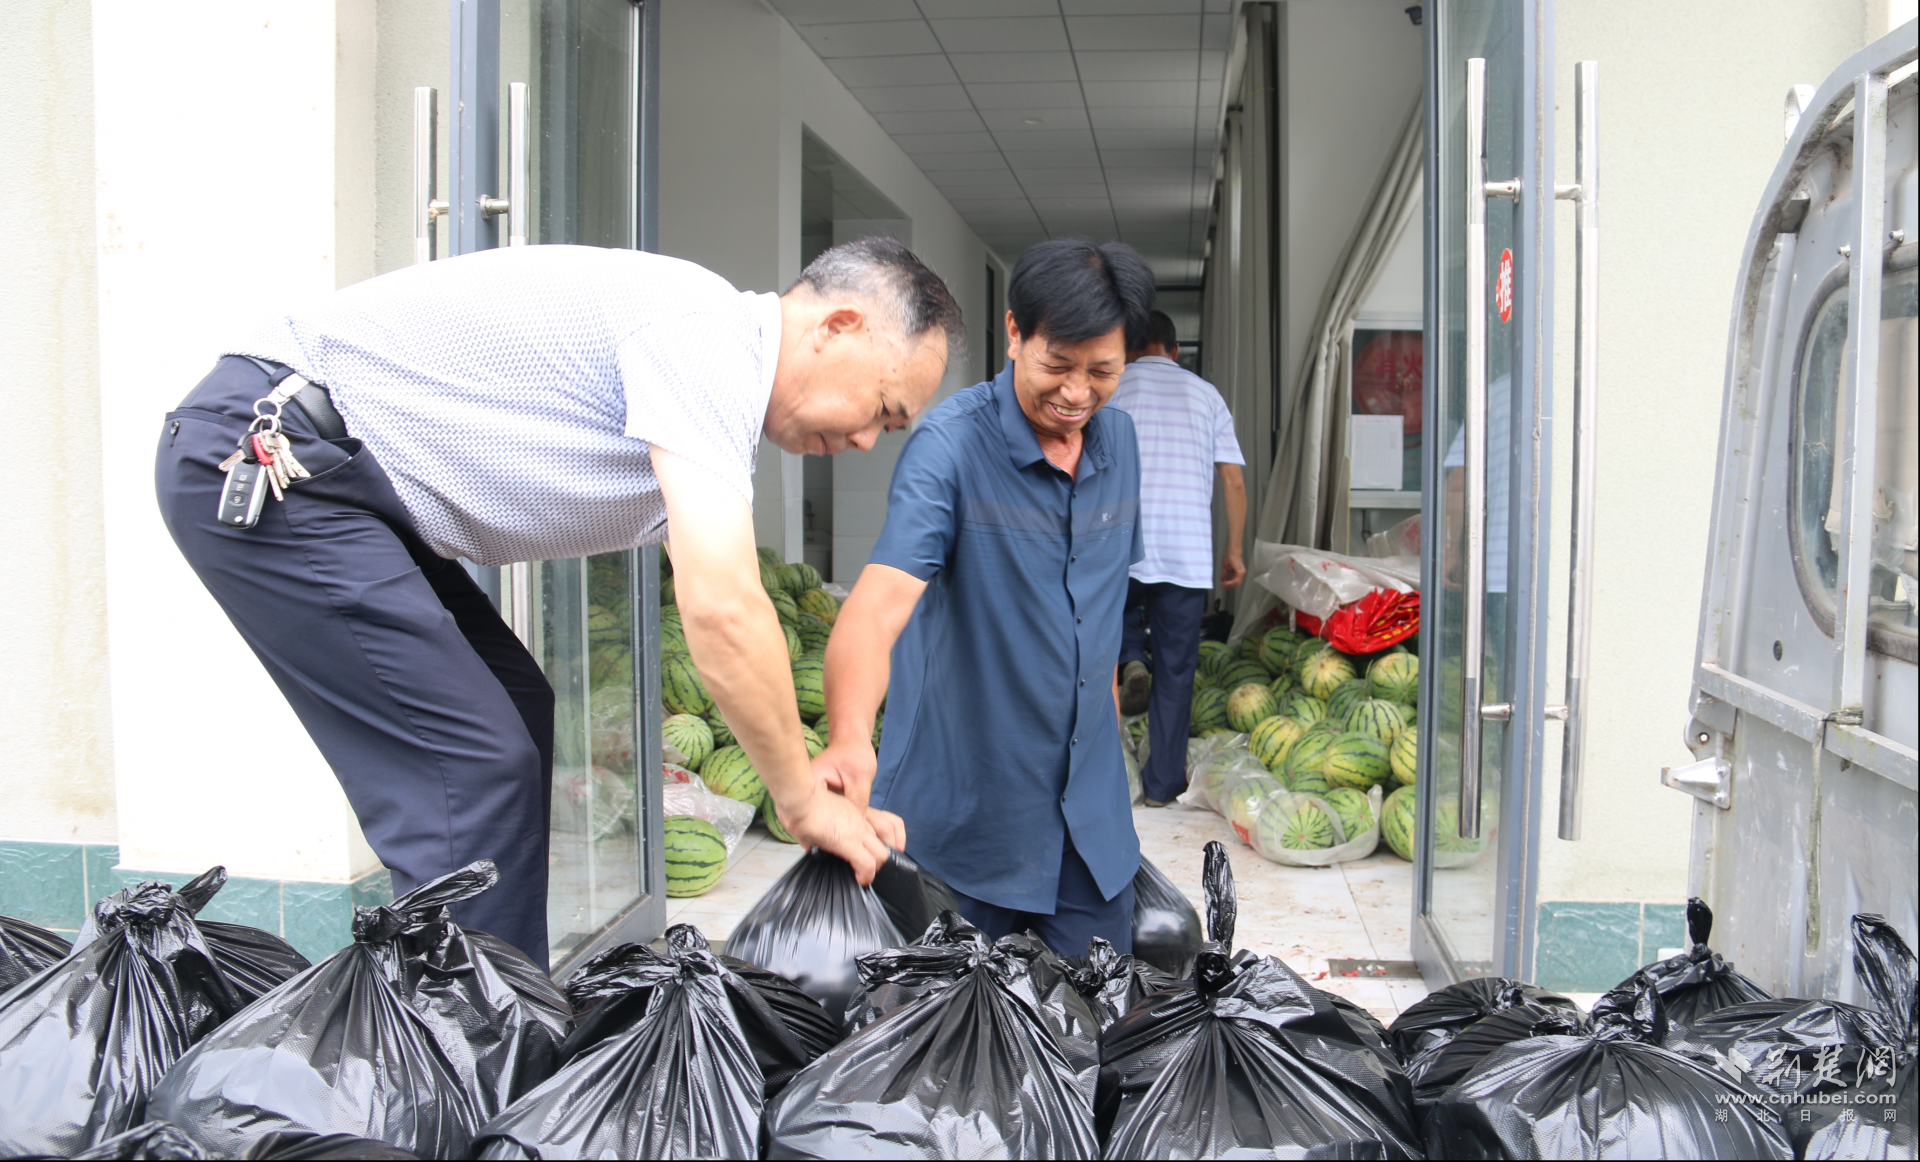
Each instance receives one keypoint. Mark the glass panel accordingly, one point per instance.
(1463, 878)
(1824, 360)
(411, 51)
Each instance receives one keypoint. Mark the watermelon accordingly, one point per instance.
(768, 556)
(1272, 739)
(772, 819)
(680, 686)
(1303, 708)
(673, 639)
(812, 630)
(1248, 707)
(1244, 801)
(820, 603)
(770, 577)
(784, 606)
(670, 613)
(696, 855)
(1249, 648)
(1234, 675)
(1356, 815)
(815, 744)
(1398, 816)
(1344, 697)
(1136, 731)
(1282, 685)
(1404, 756)
(1322, 674)
(1378, 717)
(1446, 827)
(1213, 657)
(1309, 783)
(1297, 824)
(879, 724)
(666, 591)
(717, 723)
(791, 580)
(1395, 677)
(1277, 648)
(1209, 711)
(809, 685)
(1356, 760)
(728, 771)
(794, 648)
(1305, 758)
(690, 735)
(809, 576)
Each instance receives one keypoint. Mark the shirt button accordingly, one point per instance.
(1076, 742)
(1083, 681)
(1079, 620)
(1071, 560)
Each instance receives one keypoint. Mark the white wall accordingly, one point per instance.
(1690, 124)
(234, 154)
(56, 746)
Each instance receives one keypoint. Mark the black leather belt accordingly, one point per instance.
(313, 399)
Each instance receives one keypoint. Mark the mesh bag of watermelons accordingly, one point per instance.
(413, 1035)
(1819, 1059)
(1305, 830)
(673, 1056)
(1446, 1012)
(26, 949)
(84, 1040)
(816, 921)
(1112, 982)
(1166, 929)
(1607, 1091)
(1698, 981)
(1247, 1060)
(964, 1048)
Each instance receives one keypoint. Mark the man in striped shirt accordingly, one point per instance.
(1186, 435)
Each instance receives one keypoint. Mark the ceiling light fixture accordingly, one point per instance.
(1036, 120)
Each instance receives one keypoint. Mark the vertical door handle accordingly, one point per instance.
(514, 205)
(1473, 637)
(426, 162)
(1585, 194)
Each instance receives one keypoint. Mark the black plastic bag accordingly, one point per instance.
(1609, 1091)
(1248, 1060)
(287, 1146)
(83, 1041)
(26, 949)
(913, 896)
(674, 1057)
(1698, 981)
(1442, 1065)
(1438, 1017)
(1113, 982)
(147, 1142)
(1166, 929)
(413, 1035)
(966, 1050)
(1878, 1129)
(812, 925)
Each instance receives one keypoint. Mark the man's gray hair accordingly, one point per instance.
(884, 272)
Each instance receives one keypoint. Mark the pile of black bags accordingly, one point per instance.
(850, 1021)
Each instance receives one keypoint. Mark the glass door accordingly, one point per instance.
(549, 140)
(1489, 262)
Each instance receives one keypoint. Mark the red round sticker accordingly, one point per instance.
(1503, 287)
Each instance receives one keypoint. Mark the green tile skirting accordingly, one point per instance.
(54, 885)
(1591, 945)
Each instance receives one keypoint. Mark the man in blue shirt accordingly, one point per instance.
(996, 589)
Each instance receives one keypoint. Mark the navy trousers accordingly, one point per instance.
(1168, 639)
(1079, 914)
(436, 720)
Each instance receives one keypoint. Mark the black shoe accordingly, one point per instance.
(1136, 686)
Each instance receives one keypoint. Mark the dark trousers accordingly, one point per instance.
(1168, 639)
(1079, 914)
(436, 720)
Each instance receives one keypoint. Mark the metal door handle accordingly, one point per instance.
(1585, 194)
(426, 161)
(514, 205)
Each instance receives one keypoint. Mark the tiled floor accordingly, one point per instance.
(1304, 916)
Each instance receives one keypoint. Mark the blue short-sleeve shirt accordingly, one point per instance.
(1000, 736)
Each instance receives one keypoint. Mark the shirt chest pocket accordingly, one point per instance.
(1106, 523)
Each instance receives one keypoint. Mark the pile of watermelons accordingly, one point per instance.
(694, 727)
(1323, 723)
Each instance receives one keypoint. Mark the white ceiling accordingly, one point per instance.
(1041, 118)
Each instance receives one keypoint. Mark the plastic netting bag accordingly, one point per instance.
(1248, 1060)
(1113, 982)
(682, 793)
(414, 1035)
(84, 1040)
(1166, 928)
(1304, 830)
(674, 1057)
(1609, 1091)
(26, 949)
(965, 1049)
(1214, 764)
(1698, 981)
(1446, 1012)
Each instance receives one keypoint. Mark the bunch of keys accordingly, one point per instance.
(263, 460)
